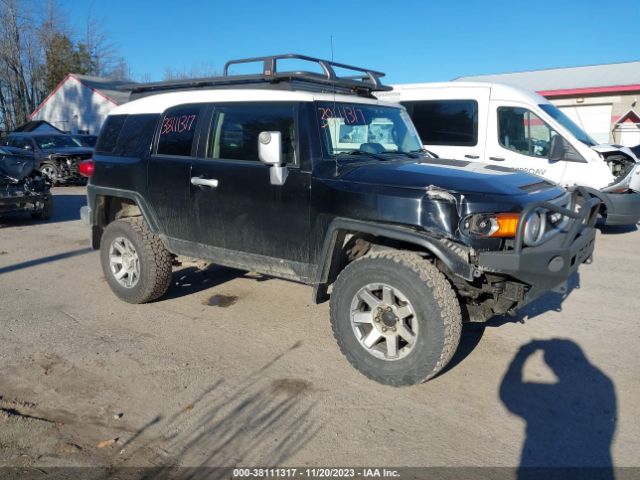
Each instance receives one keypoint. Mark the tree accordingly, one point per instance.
(63, 57)
(38, 50)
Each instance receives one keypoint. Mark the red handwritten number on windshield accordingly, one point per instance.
(350, 115)
(177, 124)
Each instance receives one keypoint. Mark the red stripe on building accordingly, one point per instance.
(70, 75)
(589, 90)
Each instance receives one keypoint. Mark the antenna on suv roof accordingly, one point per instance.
(363, 82)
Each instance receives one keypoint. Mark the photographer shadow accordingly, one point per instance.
(571, 422)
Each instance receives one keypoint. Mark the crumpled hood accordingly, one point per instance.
(607, 147)
(453, 175)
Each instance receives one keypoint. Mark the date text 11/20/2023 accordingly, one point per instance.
(318, 472)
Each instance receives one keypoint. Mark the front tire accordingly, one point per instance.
(134, 260)
(395, 317)
(51, 171)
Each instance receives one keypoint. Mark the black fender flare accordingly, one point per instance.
(441, 248)
(147, 213)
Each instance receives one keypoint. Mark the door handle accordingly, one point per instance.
(473, 157)
(497, 159)
(204, 182)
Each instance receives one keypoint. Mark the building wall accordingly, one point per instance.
(620, 104)
(73, 107)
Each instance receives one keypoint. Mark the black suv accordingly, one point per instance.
(58, 155)
(307, 176)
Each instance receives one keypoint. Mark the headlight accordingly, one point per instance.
(496, 225)
(534, 228)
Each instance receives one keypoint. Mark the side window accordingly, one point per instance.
(445, 122)
(20, 142)
(177, 130)
(137, 135)
(235, 131)
(524, 132)
(109, 133)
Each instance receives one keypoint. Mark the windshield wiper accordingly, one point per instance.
(364, 153)
(412, 154)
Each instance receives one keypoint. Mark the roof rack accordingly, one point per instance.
(362, 82)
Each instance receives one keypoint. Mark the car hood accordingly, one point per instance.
(69, 150)
(452, 175)
(607, 147)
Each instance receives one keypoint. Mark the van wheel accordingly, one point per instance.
(134, 260)
(395, 317)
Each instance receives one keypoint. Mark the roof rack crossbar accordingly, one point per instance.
(270, 69)
(365, 81)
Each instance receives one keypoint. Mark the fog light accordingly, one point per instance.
(556, 264)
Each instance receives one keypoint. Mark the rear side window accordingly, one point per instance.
(20, 142)
(236, 129)
(445, 122)
(136, 135)
(109, 134)
(177, 130)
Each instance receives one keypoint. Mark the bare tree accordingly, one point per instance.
(18, 64)
(38, 49)
(105, 60)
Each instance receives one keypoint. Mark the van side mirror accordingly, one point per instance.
(270, 152)
(560, 149)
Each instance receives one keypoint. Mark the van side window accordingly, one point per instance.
(235, 130)
(524, 132)
(109, 133)
(445, 122)
(177, 130)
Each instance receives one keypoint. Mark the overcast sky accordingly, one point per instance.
(412, 41)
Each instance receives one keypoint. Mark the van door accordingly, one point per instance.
(451, 123)
(520, 139)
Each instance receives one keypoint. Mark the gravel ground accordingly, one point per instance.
(232, 368)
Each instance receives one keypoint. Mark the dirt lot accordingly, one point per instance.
(239, 369)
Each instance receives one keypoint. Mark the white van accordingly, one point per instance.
(505, 125)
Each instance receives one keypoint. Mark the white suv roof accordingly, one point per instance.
(160, 102)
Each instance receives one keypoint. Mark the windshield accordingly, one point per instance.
(56, 141)
(560, 117)
(352, 127)
(86, 140)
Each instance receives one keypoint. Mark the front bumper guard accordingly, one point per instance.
(548, 266)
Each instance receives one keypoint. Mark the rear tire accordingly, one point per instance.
(415, 305)
(134, 260)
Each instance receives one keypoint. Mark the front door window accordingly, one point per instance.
(522, 131)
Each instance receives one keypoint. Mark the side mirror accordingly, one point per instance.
(560, 149)
(270, 152)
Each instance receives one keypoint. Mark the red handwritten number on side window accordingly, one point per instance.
(177, 124)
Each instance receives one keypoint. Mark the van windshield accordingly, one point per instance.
(352, 128)
(560, 117)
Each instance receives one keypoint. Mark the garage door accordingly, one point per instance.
(594, 119)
